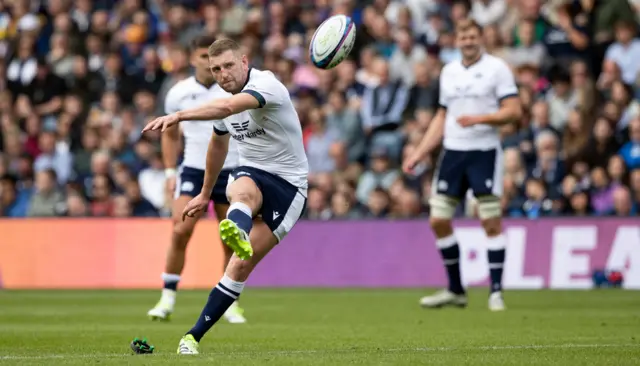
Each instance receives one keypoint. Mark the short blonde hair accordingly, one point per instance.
(467, 24)
(221, 46)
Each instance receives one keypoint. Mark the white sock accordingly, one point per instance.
(226, 283)
(168, 297)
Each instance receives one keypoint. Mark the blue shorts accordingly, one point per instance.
(190, 182)
(478, 170)
(282, 203)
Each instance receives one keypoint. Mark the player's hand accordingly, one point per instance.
(409, 164)
(162, 123)
(197, 204)
(468, 121)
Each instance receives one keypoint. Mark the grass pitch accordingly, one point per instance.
(325, 327)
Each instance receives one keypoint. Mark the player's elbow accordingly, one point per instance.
(225, 108)
(516, 113)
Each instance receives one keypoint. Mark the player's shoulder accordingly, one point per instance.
(451, 69)
(181, 88)
(494, 63)
(451, 66)
(262, 79)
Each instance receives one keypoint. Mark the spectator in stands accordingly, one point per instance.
(622, 203)
(549, 166)
(79, 79)
(634, 179)
(320, 142)
(580, 205)
(317, 207)
(625, 51)
(121, 207)
(630, 152)
(13, 201)
(538, 203)
(76, 206)
(601, 192)
(379, 176)
(406, 55)
(101, 200)
(528, 51)
(616, 170)
(152, 183)
(382, 110)
(139, 206)
(54, 156)
(47, 200)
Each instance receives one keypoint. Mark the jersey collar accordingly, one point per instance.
(204, 86)
(248, 77)
(473, 64)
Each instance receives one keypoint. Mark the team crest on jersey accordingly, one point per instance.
(187, 187)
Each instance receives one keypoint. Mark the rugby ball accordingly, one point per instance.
(332, 41)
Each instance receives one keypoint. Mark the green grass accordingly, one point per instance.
(326, 327)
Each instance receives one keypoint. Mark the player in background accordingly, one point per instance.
(187, 180)
(267, 191)
(478, 94)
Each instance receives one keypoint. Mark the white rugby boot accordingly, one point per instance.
(444, 298)
(496, 302)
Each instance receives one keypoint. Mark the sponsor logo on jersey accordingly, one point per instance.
(243, 131)
(240, 126)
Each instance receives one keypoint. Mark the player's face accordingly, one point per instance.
(469, 42)
(200, 62)
(230, 70)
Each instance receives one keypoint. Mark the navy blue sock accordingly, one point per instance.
(241, 215)
(496, 265)
(171, 281)
(451, 258)
(220, 299)
(496, 254)
(170, 285)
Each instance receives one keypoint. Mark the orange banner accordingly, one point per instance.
(102, 253)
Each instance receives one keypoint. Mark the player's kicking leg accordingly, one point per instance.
(229, 288)
(250, 238)
(180, 236)
(235, 314)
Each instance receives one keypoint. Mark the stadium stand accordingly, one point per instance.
(79, 79)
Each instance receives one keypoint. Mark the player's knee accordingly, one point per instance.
(182, 230)
(490, 214)
(442, 207)
(244, 190)
(492, 226)
(441, 227)
(238, 269)
(489, 207)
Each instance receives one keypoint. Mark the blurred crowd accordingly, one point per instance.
(79, 79)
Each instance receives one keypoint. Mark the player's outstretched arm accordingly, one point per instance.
(430, 141)
(220, 108)
(215, 110)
